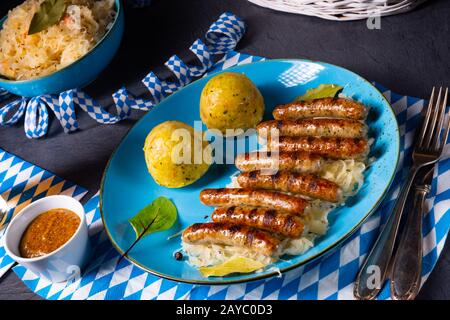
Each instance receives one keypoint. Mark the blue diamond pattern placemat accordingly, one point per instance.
(22, 183)
(329, 277)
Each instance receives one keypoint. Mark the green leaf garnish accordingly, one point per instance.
(160, 215)
(322, 91)
(48, 14)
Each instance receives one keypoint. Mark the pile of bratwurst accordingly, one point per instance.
(268, 207)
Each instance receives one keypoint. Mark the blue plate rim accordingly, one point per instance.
(256, 277)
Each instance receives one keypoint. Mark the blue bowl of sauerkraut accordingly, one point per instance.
(67, 55)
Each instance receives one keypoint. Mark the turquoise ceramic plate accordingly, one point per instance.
(127, 186)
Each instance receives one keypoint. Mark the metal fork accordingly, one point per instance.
(427, 150)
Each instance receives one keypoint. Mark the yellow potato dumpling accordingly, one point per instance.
(170, 154)
(231, 101)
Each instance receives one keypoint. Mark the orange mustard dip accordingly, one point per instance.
(47, 232)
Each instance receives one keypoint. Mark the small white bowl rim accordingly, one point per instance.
(45, 256)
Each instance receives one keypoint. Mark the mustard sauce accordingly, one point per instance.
(47, 232)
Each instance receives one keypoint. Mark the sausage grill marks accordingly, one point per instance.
(232, 235)
(290, 161)
(334, 148)
(255, 198)
(325, 107)
(305, 184)
(322, 127)
(271, 220)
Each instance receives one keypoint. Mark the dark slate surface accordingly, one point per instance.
(409, 54)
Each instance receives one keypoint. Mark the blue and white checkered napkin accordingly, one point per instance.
(22, 183)
(329, 277)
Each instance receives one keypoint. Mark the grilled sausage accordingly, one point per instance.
(255, 198)
(292, 161)
(339, 128)
(266, 219)
(232, 235)
(325, 107)
(306, 184)
(335, 148)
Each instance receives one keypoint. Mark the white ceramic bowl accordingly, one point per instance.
(66, 262)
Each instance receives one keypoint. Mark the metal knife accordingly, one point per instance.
(3, 211)
(407, 262)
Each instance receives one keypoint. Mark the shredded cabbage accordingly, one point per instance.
(203, 255)
(348, 174)
(24, 56)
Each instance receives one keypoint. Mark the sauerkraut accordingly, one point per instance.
(203, 255)
(348, 174)
(24, 56)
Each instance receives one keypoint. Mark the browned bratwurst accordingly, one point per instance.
(254, 198)
(302, 183)
(339, 128)
(292, 161)
(232, 235)
(325, 107)
(335, 148)
(271, 220)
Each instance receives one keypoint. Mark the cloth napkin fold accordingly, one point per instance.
(329, 277)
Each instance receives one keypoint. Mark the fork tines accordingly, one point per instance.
(431, 132)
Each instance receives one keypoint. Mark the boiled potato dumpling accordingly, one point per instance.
(169, 153)
(231, 101)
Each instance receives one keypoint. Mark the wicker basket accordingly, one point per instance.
(341, 10)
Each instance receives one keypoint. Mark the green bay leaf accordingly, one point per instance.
(160, 215)
(48, 14)
(322, 91)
